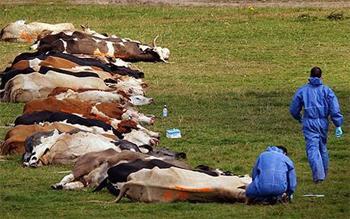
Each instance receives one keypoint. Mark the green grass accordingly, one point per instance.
(231, 76)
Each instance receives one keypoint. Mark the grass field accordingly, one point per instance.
(228, 85)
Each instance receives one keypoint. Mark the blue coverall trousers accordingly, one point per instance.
(315, 133)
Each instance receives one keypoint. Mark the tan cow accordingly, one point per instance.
(175, 184)
(63, 148)
(27, 87)
(98, 96)
(20, 31)
(15, 137)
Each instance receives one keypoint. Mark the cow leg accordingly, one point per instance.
(73, 185)
(122, 192)
(149, 132)
(66, 179)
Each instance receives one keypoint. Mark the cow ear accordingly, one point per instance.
(84, 27)
(181, 155)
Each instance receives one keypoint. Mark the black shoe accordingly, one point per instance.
(319, 181)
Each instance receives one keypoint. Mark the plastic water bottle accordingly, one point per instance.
(165, 111)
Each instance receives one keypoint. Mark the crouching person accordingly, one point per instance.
(274, 177)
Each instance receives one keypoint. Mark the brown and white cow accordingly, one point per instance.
(107, 112)
(82, 43)
(91, 169)
(20, 31)
(61, 60)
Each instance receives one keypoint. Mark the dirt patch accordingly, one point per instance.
(208, 3)
(225, 3)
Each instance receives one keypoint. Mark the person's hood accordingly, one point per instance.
(315, 81)
(274, 148)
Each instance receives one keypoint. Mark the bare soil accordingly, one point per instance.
(226, 3)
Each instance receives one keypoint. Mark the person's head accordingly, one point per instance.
(284, 149)
(316, 72)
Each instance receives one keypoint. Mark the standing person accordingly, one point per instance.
(273, 176)
(319, 102)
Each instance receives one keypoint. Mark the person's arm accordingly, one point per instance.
(255, 171)
(296, 106)
(334, 109)
(291, 177)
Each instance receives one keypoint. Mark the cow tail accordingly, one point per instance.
(120, 196)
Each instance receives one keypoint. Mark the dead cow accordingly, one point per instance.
(15, 137)
(107, 112)
(44, 148)
(99, 96)
(91, 169)
(57, 59)
(26, 87)
(82, 43)
(176, 184)
(20, 31)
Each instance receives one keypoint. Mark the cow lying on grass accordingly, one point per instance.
(107, 112)
(82, 43)
(91, 169)
(176, 184)
(48, 116)
(80, 72)
(62, 60)
(44, 148)
(26, 87)
(20, 31)
(16, 136)
(99, 96)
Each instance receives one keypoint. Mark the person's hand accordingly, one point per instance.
(290, 197)
(300, 120)
(338, 132)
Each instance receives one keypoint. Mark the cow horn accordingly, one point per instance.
(84, 27)
(154, 41)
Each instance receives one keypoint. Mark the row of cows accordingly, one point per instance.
(81, 93)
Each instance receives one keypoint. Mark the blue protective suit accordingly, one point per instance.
(273, 175)
(319, 102)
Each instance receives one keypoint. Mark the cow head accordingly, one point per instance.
(212, 171)
(139, 117)
(139, 137)
(37, 145)
(163, 53)
(12, 31)
(139, 100)
(126, 126)
(163, 152)
(126, 145)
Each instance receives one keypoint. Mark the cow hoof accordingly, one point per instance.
(57, 187)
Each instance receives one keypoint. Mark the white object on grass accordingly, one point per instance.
(313, 195)
(173, 133)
